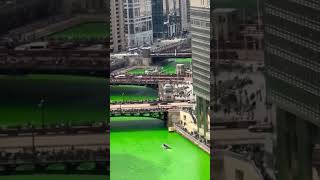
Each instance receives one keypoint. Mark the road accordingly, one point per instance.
(60, 140)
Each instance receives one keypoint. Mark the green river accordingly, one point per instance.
(136, 153)
(136, 144)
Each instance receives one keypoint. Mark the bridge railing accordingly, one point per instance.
(53, 156)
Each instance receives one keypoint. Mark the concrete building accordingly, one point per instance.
(117, 34)
(292, 48)
(200, 30)
(138, 23)
(233, 166)
(172, 18)
(185, 15)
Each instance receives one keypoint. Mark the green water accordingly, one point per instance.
(137, 155)
(130, 118)
(168, 67)
(88, 30)
(120, 93)
(67, 99)
(138, 71)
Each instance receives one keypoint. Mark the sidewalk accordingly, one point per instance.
(191, 138)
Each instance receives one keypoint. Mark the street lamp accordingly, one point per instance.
(41, 106)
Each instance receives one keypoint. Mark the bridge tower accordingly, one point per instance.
(173, 117)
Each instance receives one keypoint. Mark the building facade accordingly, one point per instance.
(157, 18)
(138, 23)
(185, 15)
(200, 30)
(117, 33)
(292, 53)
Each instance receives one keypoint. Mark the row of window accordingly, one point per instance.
(205, 73)
(200, 23)
(202, 93)
(200, 30)
(295, 38)
(293, 17)
(292, 57)
(303, 74)
(299, 106)
(201, 62)
(200, 14)
(293, 91)
(202, 49)
(314, 4)
(200, 44)
(203, 85)
(293, 80)
(201, 58)
(201, 37)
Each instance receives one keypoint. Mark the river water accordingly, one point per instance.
(73, 99)
(136, 153)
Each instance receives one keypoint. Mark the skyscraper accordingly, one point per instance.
(200, 30)
(117, 35)
(185, 15)
(157, 18)
(292, 53)
(138, 23)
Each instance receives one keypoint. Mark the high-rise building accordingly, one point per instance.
(138, 23)
(185, 15)
(157, 18)
(117, 34)
(200, 30)
(292, 53)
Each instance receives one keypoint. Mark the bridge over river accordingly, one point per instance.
(65, 61)
(147, 80)
(68, 157)
(42, 152)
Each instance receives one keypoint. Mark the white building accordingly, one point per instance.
(185, 15)
(138, 22)
(200, 23)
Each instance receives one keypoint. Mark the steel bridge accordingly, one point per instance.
(57, 61)
(53, 130)
(147, 80)
(41, 158)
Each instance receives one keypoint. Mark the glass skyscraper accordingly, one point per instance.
(292, 54)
